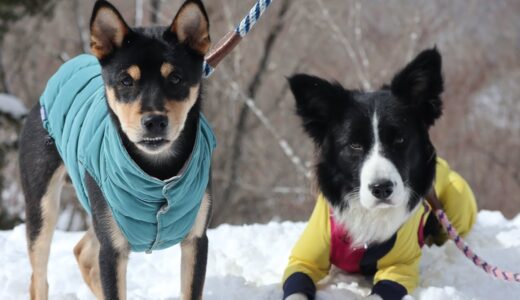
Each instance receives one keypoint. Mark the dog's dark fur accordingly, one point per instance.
(341, 123)
(153, 87)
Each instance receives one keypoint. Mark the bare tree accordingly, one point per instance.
(252, 89)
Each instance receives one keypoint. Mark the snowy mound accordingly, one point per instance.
(13, 106)
(246, 262)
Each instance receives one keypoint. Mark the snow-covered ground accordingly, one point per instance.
(246, 262)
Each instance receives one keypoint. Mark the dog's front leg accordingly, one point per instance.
(113, 247)
(193, 267)
(195, 254)
(112, 265)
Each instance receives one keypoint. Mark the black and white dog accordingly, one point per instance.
(375, 163)
(375, 150)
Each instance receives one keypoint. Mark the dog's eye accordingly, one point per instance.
(399, 140)
(356, 146)
(174, 79)
(127, 81)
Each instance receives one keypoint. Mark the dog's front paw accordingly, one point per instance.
(298, 296)
(373, 297)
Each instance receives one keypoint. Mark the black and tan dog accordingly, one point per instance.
(150, 82)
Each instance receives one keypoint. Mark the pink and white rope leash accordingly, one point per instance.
(479, 262)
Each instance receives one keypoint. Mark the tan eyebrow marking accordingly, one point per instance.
(166, 69)
(134, 72)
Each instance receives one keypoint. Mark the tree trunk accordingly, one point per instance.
(84, 43)
(252, 90)
(4, 86)
(154, 13)
(138, 13)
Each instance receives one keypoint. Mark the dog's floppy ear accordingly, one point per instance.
(191, 26)
(318, 102)
(107, 29)
(420, 85)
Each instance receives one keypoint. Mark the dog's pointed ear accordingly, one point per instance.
(108, 29)
(318, 103)
(420, 84)
(191, 26)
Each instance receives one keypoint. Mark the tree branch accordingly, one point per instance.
(252, 89)
(341, 37)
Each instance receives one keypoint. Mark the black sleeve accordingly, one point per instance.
(299, 283)
(389, 290)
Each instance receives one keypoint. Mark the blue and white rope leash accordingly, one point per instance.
(226, 44)
(254, 15)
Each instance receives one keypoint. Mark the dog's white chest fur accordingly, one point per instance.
(368, 226)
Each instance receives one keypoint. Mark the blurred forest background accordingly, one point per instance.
(262, 168)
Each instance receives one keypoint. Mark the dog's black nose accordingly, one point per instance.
(155, 124)
(382, 189)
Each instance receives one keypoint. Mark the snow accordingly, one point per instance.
(246, 262)
(13, 106)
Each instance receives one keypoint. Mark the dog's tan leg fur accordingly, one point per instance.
(39, 249)
(121, 276)
(87, 256)
(188, 245)
(121, 245)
